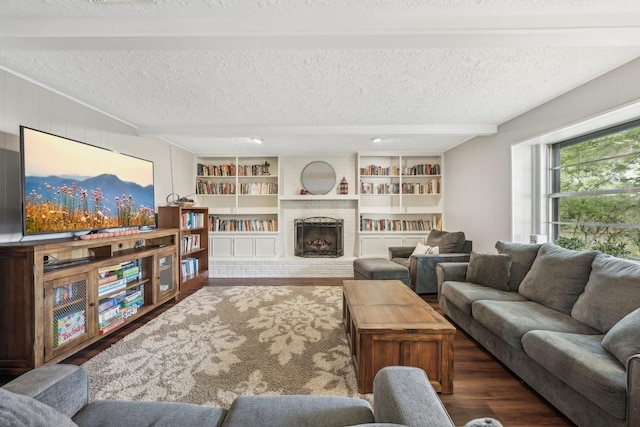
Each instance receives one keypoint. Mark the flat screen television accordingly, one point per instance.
(73, 187)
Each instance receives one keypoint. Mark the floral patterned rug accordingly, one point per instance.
(222, 342)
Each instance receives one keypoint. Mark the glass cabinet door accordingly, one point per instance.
(67, 314)
(166, 277)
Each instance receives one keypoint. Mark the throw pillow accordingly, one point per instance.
(447, 242)
(623, 339)
(522, 257)
(612, 292)
(424, 249)
(489, 270)
(24, 411)
(557, 277)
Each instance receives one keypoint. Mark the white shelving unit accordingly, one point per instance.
(400, 200)
(241, 193)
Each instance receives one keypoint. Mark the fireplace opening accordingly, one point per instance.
(319, 237)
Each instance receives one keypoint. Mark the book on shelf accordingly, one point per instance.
(111, 326)
(375, 170)
(387, 224)
(110, 287)
(216, 170)
(380, 188)
(204, 186)
(189, 243)
(256, 225)
(254, 170)
(422, 169)
(112, 277)
(258, 188)
(108, 279)
(132, 274)
(67, 293)
(191, 219)
(134, 294)
(189, 267)
(108, 315)
(107, 303)
(113, 311)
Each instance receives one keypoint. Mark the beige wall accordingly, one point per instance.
(25, 103)
(481, 198)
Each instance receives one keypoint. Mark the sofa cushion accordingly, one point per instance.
(310, 411)
(405, 262)
(522, 257)
(17, 410)
(489, 270)
(463, 294)
(117, 413)
(447, 242)
(612, 292)
(424, 249)
(511, 320)
(582, 363)
(557, 277)
(623, 339)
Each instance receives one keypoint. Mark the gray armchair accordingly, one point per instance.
(422, 268)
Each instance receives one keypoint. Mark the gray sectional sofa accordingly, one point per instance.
(566, 322)
(58, 395)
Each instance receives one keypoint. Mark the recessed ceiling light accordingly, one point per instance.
(376, 140)
(256, 140)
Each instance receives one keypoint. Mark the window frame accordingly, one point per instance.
(554, 195)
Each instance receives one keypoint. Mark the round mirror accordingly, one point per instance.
(318, 178)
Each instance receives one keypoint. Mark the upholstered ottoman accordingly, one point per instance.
(380, 269)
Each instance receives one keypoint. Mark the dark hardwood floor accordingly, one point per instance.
(482, 386)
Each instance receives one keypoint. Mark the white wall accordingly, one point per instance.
(25, 103)
(479, 172)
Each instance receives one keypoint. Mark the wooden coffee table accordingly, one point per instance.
(388, 324)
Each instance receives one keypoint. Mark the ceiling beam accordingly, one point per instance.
(262, 131)
(320, 33)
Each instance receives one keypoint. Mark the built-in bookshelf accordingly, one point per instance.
(242, 195)
(62, 295)
(399, 200)
(193, 223)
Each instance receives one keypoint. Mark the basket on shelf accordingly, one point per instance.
(174, 199)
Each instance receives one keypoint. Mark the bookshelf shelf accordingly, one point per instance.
(53, 313)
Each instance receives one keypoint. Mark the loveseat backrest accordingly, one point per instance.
(468, 247)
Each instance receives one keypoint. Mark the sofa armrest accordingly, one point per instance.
(400, 251)
(63, 387)
(423, 270)
(452, 271)
(404, 395)
(633, 391)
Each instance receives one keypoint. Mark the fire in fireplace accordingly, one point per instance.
(319, 237)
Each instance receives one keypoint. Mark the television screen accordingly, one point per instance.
(70, 186)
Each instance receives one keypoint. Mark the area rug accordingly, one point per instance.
(222, 342)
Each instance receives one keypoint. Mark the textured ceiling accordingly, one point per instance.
(316, 75)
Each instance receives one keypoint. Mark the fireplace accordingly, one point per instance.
(319, 237)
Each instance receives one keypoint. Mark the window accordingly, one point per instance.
(595, 194)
